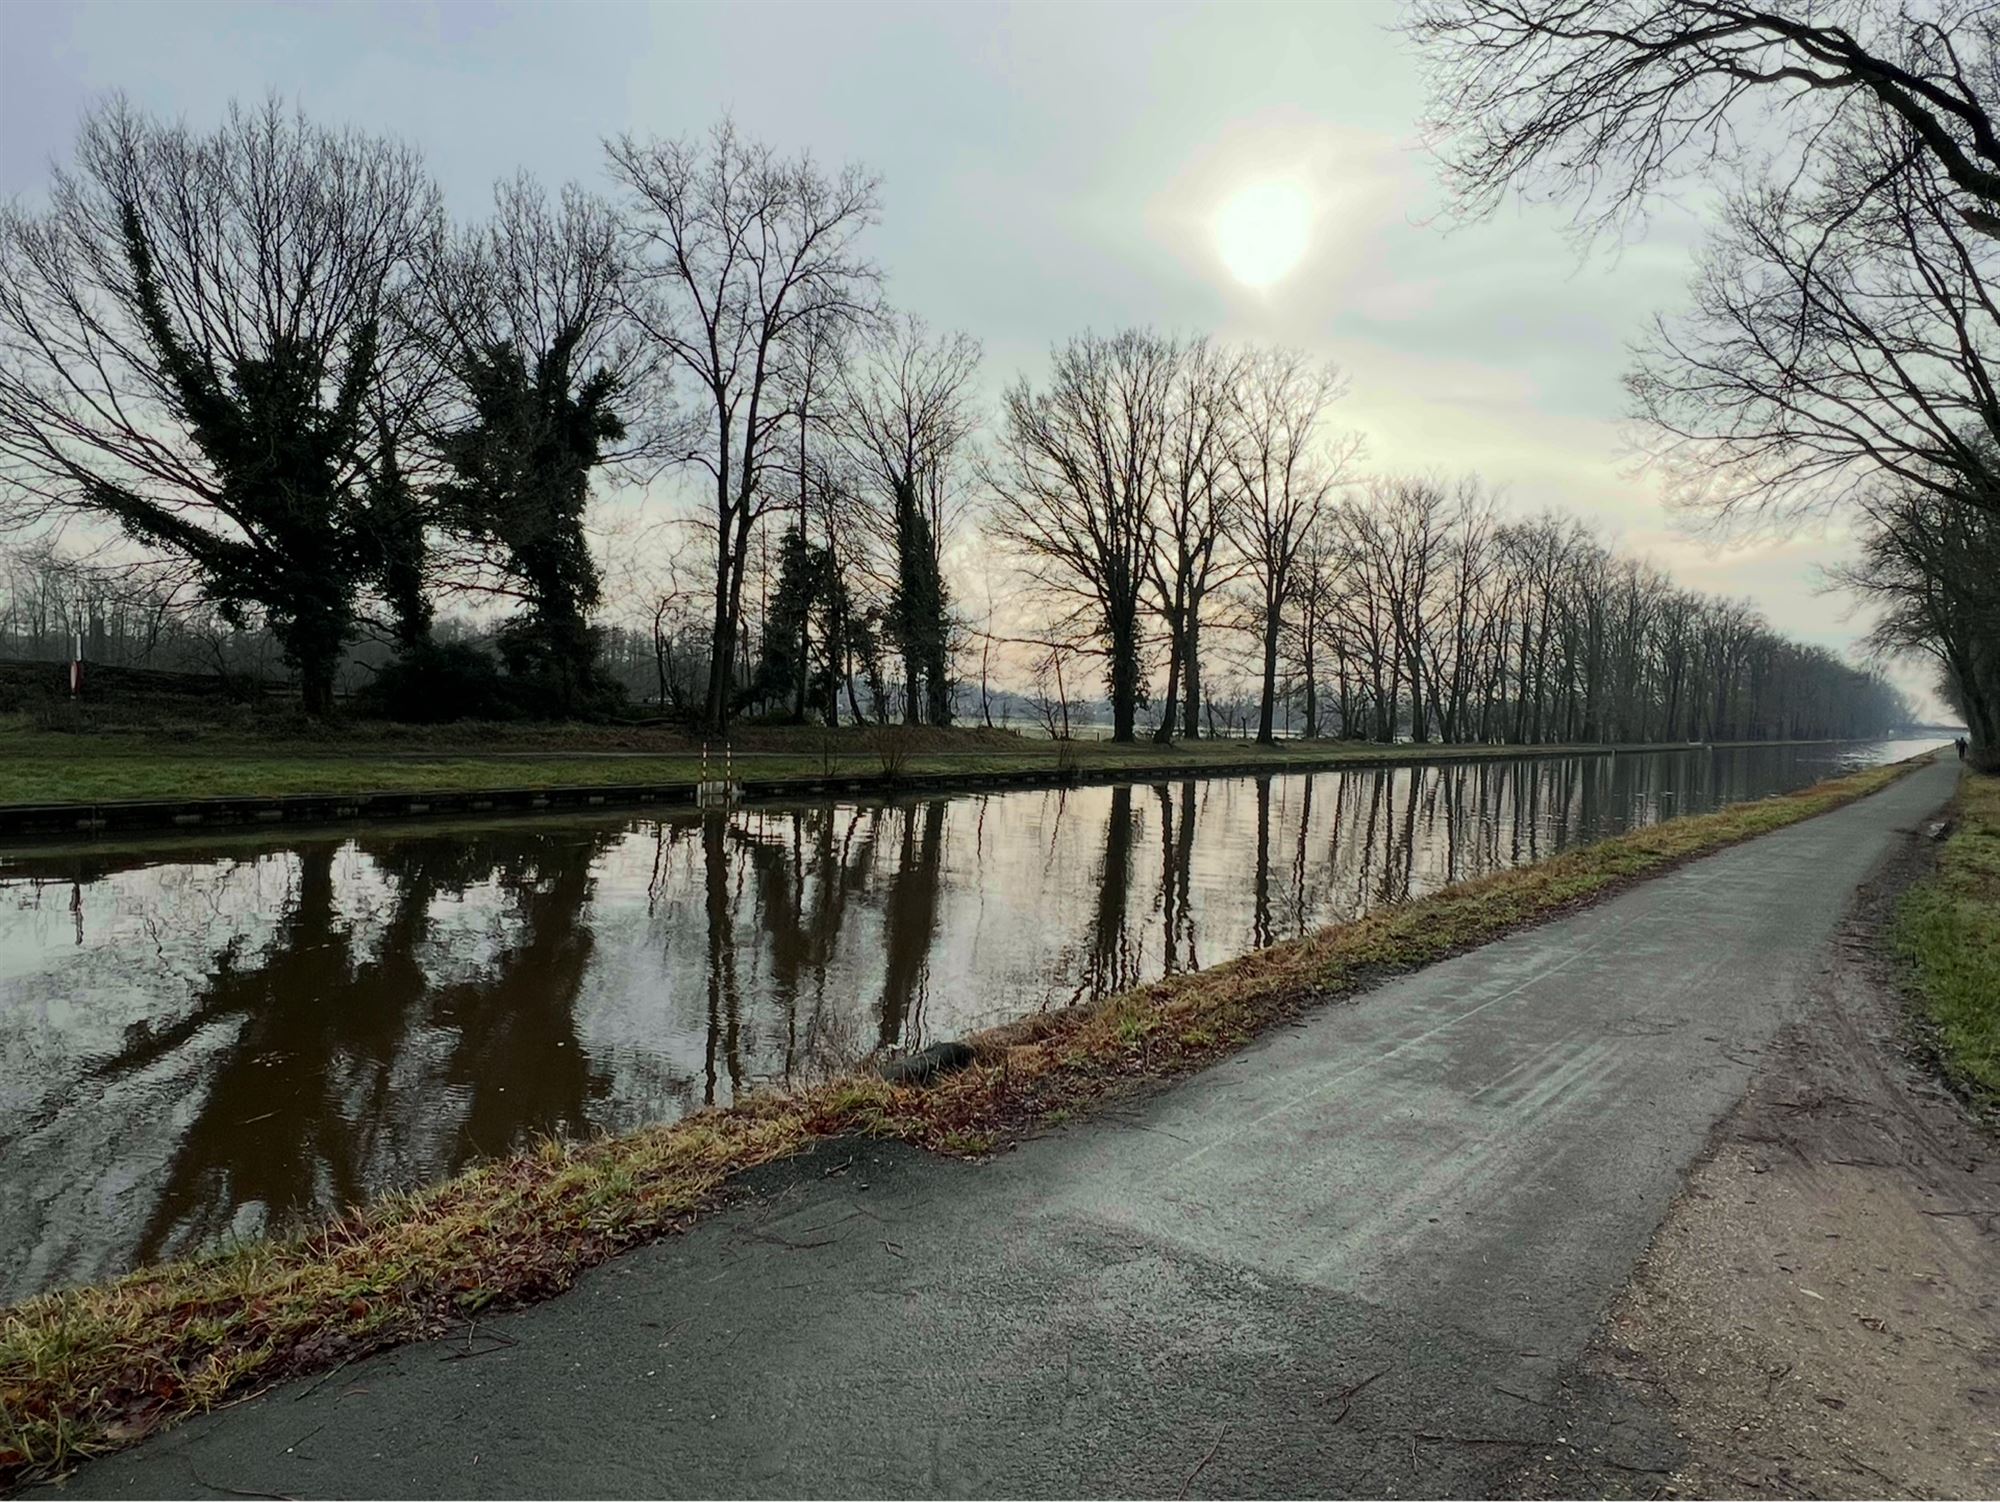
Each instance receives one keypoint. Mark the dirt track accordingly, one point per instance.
(1820, 1311)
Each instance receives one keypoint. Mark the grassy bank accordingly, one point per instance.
(91, 1369)
(1949, 929)
(43, 767)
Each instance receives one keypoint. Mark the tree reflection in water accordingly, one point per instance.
(910, 922)
(349, 1062)
(346, 1053)
(1177, 927)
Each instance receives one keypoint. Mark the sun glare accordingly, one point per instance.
(1261, 232)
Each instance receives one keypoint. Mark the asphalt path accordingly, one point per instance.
(1360, 1257)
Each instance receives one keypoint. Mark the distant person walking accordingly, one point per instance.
(1960, 743)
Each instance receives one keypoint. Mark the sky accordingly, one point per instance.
(1047, 169)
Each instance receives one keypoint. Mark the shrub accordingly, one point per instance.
(438, 681)
(1069, 759)
(892, 749)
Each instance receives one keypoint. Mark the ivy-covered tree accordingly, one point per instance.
(812, 634)
(543, 371)
(395, 539)
(919, 612)
(906, 415)
(866, 645)
(519, 481)
(191, 347)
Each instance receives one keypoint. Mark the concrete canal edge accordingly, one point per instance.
(116, 816)
(45, 819)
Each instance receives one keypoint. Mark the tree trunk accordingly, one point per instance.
(1124, 680)
(1420, 725)
(312, 646)
(1171, 702)
(1266, 729)
(315, 668)
(722, 643)
(1312, 688)
(937, 681)
(1191, 669)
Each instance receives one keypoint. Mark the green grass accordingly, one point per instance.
(43, 767)
(87, 1370)
(1948, 927)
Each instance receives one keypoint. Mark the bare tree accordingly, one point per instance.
(1050, 697)
(664, 598)
(735, 253)
(1536, 632)
(1197, 497)
(539, 272)
(1824, 348)
(1601, 102)
(1076, 483)
(1453, 550)
(1933, 569)
(1322, 574)
(905, 414)
(1285, 467)
(1364, 631)
(1837, 350)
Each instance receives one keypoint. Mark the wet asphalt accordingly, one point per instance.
(1362, 1257)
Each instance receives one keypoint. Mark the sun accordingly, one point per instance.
(1261, 233)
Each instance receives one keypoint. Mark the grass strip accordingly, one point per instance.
(1948, 928)
(87, 1370)
(42, 769)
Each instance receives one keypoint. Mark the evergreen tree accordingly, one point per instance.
(784, 664)
(919, 612)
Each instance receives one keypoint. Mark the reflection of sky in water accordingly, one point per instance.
(241, 1039)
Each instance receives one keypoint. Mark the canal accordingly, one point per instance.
(235, 1037)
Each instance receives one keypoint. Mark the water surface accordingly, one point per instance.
(236, 1036)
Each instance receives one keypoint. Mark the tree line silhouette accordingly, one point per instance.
(267, 358)
(1836, 355)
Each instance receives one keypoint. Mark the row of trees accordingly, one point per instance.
(1536, 631)
(266, 356)
(1160, 488)
(1838, 351)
